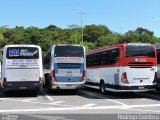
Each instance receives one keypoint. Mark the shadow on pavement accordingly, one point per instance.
(95, 94)
(22, 93)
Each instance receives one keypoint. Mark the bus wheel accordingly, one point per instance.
(6, 93)
(34, 93)
(102, 88)
(158, 89)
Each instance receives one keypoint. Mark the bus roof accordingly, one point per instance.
(114, 46)
(143, 44)
(104, 48)
(67, 45)
(22, 45)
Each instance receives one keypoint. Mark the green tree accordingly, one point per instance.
(107, 40)
(94, 36)
(92, 33)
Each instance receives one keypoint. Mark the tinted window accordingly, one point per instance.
(103, 58)
(22, 53)
(90, 60)
(69, 51)
(158, 56)
(140, 50)
(114, 56)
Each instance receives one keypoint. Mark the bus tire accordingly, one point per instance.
(35, 93)
(0, 87)
(6, 93)
(86, 88)
(102, 87)
(45, 84)
(158, 89)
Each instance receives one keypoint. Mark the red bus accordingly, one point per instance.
(128, 67)
(158, 66)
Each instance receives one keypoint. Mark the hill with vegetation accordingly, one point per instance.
(94, 36)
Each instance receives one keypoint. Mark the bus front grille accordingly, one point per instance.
(140, 64)
(69, 65)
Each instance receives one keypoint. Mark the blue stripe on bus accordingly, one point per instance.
(82, 68)
(56, 68)
(66, 78)
(69, 79)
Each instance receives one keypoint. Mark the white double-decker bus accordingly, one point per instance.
(22, 68)
(129, 67)
(66, 65)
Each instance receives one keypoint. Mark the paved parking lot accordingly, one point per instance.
(80, 102)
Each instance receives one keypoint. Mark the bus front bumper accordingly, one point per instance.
(65, 85)
(29, 85)
(143, 88)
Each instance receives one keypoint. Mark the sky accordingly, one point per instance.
(118, 15)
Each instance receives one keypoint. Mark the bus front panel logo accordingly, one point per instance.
(136, 60)
(69, 71)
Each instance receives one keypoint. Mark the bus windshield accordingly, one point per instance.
(140, 50)
(22, 53)
(69, 51)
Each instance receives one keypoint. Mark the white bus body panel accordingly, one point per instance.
(140, 76)
(28, 71)
(22, 75)
(22, 71)
(112, 76)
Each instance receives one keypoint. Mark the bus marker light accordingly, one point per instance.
(124, 78)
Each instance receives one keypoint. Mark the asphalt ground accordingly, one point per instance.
(77, 103)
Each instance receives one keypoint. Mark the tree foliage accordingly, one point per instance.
(93, 36)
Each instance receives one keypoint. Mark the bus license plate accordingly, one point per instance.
(23, 88)
(68, 84)
(69, 74)
(140, 87)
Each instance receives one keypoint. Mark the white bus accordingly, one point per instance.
(129, 67)
(0, 75)
(66, 65)
(158, 66)
(22, 68)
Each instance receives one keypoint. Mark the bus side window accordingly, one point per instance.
(97, 59)
(114, 56)
(91, 60)
(88, 60)
(158, 57)
(107, 58)
(117, 55)
(103, 58)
